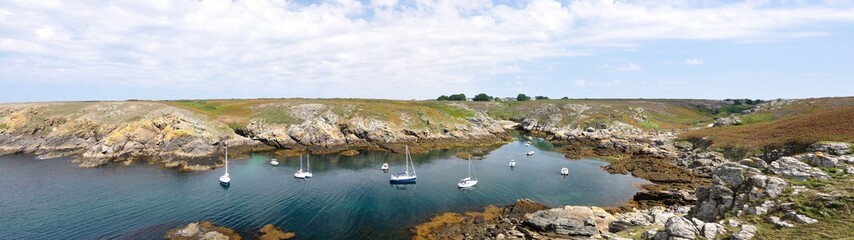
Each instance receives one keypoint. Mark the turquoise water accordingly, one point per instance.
(348, 197)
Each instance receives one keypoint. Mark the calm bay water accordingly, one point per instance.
(348, 197)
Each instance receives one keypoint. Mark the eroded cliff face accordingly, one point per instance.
(105, 132)
(102, 132)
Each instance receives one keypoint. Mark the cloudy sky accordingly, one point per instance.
(190, 49)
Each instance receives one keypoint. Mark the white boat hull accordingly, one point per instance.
(467, 183)
(564, 171)
(300, 175)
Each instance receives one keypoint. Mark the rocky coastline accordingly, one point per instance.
(124, 132)
(741, 198)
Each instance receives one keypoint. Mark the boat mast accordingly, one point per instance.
(308, 163)
(226, 157)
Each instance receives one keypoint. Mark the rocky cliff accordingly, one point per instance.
(101, 132)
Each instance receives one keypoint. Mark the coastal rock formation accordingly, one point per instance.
(791, 168)
(107, 132)
(102, 132)
(736, 187)
(726, 121)
(833, 148)
(493, 222)
(207, 231)
(571, 221)
(201, 231)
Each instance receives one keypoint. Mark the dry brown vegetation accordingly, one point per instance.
(798, 130)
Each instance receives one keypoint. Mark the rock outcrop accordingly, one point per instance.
(833, 148)
(102, 132)
(736, 187)
(791, 168)
(201, 231)
(573, 221)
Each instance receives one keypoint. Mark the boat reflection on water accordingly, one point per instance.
(403, 186)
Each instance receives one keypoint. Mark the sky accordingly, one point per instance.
(67, 50)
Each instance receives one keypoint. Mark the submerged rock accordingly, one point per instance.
(271, 232)
(201, 231)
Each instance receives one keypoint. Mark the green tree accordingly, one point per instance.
(482, 97)
(542, 98)
(565, 98)
(522, 97)
(457, 97)
(442, 98)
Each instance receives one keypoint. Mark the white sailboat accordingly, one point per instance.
(308, 166)
(274, 162)
(300, 173)
(406, 176)
(225, 180)
(469, 181)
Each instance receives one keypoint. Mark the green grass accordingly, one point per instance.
(277, 116)
(455, 112)
(649, 125)
(3, 126)
(835, 215)
(756, 118)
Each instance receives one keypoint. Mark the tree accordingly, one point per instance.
(542, 98)
(442, 98)
(737, 102)
(565, 98)
(749, 102)
(522, 97)
(457, 97)
(482, 97)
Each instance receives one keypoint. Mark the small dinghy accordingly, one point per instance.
(564, 171)
(512, 163)
(384, 167)
(529, 153)
(274, 162)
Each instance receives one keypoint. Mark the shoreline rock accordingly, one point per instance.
(205, 230)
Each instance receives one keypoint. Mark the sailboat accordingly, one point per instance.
(224, 179)
(406, 176)
(308, 166)
(469, 181)
(300, 173)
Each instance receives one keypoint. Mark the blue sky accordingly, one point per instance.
(117, 50)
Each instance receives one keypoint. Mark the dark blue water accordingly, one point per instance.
(348, 198)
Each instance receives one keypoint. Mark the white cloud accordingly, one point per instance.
(694, 61)
(348, 48)
(631, 67)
